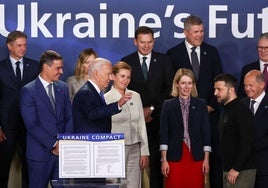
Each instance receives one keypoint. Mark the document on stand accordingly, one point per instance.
(91, 155)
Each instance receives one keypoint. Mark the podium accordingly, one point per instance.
(72, 183)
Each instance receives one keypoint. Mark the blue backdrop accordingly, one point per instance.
(108, 26)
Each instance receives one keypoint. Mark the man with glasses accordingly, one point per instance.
(261, 64)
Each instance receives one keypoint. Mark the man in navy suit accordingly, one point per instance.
(258, 65)
(90, 112)
(46, 110)
(254, 88)
(151, 77)
(209, 65)
(12, 130)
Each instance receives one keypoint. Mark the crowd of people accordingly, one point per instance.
(181, 115)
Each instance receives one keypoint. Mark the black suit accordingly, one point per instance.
(252, 66)
(90, 113)
(153, 92)
(10, 117)
(210, 66)
(260, 127)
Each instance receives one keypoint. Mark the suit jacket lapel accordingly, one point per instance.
(11, 72)
(41, 91)
(177, 109)
(94, 91)
(59, 99)
(263, 106)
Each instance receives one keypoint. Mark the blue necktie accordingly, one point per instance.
(50, 96)
(195, 62)
(144, 67)
(102, 97)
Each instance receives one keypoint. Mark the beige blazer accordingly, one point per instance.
(74, 85)
(130, 120)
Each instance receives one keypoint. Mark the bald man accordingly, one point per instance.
(254, 85)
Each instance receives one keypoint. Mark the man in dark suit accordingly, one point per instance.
(46, 110)
(257, 101)
(208, 66)
(90, 112)
(236, 135)
(151, 77)
(261, 64)
(12, 78)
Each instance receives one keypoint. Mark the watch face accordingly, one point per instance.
(152, 108)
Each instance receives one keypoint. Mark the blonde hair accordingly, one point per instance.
(82, 59)
(183, 72)
(121, 65)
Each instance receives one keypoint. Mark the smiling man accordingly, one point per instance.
(46, 110)
(204, 60)
(151, 77)
(261, 64)
(16, 70)
(257, 101)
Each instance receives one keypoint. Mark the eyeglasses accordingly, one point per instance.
(260, 48)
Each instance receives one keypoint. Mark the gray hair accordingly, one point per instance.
(97, 64)
(263, 36)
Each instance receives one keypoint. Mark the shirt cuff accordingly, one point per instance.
(207, 148)
(163, 147)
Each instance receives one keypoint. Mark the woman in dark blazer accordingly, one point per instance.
(184, 135)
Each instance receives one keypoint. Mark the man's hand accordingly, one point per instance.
(55, 150)
(2, 136)
(210, 109)
(232, 176)
(147, 114)
(123, 100)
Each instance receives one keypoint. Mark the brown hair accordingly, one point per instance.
(13, 35)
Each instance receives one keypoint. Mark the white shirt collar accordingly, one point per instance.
(44, 82)
(95, 86)
(260, 97)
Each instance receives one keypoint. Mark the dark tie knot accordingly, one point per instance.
(144, 59)
(193, 48)
(18, 63)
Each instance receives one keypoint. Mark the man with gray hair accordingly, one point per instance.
(257, 101)
(261, 64)
(90, 112)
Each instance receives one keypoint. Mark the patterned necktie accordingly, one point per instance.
(144, 67)
(252, 102)
(265, 74)
(50, 96)
(195, 62)
(18, 72)
(185, 115)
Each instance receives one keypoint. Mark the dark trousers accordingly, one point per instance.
(156, 177)
(261, 181)
(16, 140)
(215, 162)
